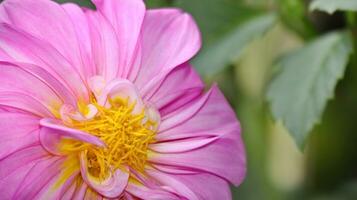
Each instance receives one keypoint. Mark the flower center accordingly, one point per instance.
(126, 135)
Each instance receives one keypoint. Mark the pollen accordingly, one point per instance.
(126, 135)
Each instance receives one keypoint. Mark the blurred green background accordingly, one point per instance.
(280, 62)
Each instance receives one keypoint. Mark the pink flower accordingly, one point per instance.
(105, 104)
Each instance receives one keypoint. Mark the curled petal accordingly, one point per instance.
(123, 89)
(97, 84)
(53, 131)
(112, 187)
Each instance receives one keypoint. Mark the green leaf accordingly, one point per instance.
(305, 81)
(330, 6)
(85, 3)
(226, 26)
(295, 16)
(230, 47)
(157, 3)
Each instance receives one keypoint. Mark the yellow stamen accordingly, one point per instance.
(125, 134)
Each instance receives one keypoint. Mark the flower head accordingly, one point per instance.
(104, 103)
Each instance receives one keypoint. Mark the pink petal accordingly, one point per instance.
(182, 115)
(17, 131)
(179, 146)
(144, 192)
(112, 187)
(55, 191)
(14, 79)
(168, 38)
(17, 137)
(179, 87)
(126, 16)
(48, 21)
(10, 183)
(21, 157)
(15, 167)
(53, 131)
(61, 91)
(42, 54)
(69, 192)
(25, 102)
(196, 186)
(174, 170)
(92, 195)
(104, 45)
(80, 192)
(81, 27)
(38, 178)
(167, 180)
(207, 117)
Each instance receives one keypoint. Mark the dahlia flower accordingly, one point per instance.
(103, 104)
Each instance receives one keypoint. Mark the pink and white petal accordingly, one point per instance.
(53, 131)
(124, 89)
(168, 39)
(81, 27)
(97, 85)
(126, 16)
(207, 117)
(42, 54)
(104, 45)
(48, 21)
(195, 186)
(112, 187)
(179, 87)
